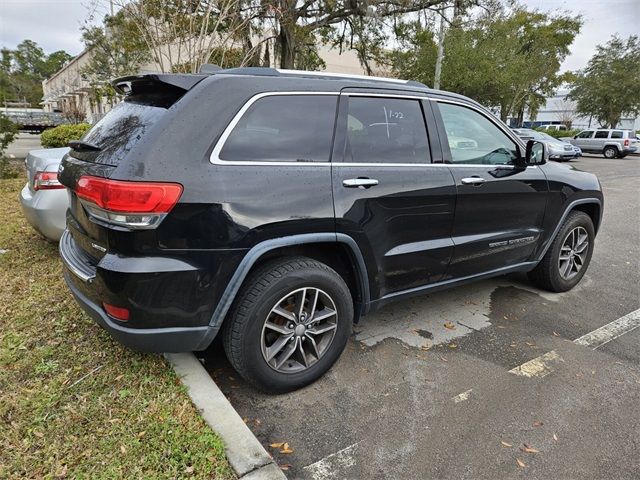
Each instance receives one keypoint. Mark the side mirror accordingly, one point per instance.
(537, 153)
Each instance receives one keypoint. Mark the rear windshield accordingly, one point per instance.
(118, 132)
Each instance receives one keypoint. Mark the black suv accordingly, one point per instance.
(278, 207)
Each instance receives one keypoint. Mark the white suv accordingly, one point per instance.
(611, 142)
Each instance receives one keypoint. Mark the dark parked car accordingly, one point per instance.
(276, 208)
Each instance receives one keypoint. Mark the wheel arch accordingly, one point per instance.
(323, 247)
(591, 206)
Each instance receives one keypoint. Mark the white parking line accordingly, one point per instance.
(329, 466)
(610, 331)
(461, 397)
(545, 364)
(538, 367)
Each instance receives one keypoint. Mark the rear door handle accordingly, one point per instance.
(359, 182)
(472, 180)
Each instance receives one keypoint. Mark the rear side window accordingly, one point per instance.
(118, 132)
(602, 134)
(617, 134)
(585, 134)
(283, 128)
(386, 130)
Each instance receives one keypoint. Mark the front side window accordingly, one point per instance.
(602, 134)
(616, 134)
(585, 134)
(386, 130)
(474, 139)
(283, 128)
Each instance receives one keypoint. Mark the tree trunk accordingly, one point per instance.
(287, 46)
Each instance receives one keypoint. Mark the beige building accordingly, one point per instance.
(66, 91)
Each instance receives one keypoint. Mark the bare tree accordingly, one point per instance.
(565, 111)
(182, 35)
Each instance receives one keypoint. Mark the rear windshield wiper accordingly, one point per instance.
(80, 146)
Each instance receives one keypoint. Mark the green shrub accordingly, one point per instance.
(8, 131)
(61, 135)
(559, 133)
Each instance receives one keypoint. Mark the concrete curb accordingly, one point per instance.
(245, 453)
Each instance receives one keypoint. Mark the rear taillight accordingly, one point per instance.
(626, 142)
(46, 181)
(127, 204)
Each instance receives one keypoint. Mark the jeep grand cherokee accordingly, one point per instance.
(276, 208)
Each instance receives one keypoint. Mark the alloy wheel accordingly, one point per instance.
(573, 253)
(299, 330)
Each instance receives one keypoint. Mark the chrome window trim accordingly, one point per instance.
(215, 154)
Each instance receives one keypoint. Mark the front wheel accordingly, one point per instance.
(289, 324)
(568, 257)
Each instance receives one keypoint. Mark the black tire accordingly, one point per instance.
(547, 274)
(262, 291)
(610, 152)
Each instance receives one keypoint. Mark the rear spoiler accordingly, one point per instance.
(134, 84)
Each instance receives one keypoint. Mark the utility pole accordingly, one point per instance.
(436, 80)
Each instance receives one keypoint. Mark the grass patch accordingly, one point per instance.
(74, 403)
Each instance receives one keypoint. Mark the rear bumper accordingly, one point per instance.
(45, 210)
(170, 340)
(89, 290)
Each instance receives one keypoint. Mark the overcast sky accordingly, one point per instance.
(55, 24)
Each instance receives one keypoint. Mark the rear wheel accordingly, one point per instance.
(610, 152)
(568, 257)
(290, 323)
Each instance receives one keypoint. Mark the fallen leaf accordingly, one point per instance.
(537, 423)
(189, 469)
(505, 444)
(450, 326)
(556, 334)
(520, 463)
(530, 344)
(38, 434)
(141, 434)
(452, 345)
(555, 437)
(286, 449)
(443, 359)
(285, 466)
(277, 445)
(122, 449)
(528, 449)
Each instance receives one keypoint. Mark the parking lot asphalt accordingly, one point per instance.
(410, 398)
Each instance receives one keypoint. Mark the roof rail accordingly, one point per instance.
(278, 72)
(209, 68)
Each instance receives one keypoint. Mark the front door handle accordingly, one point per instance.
(359, 182)
(472, 180)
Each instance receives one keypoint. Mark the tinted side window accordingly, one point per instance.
(284, 128)
(616, 134)
(585, 134)
(602, 134)
(386, 130)
(474, 139)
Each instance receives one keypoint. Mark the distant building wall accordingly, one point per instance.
(557, 109)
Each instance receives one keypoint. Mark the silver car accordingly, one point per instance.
(559, 150)
(44, 200)
(610, 142)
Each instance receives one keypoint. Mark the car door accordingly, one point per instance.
(388, 195)
(500, 202)
(584, 140)
(599, 140)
